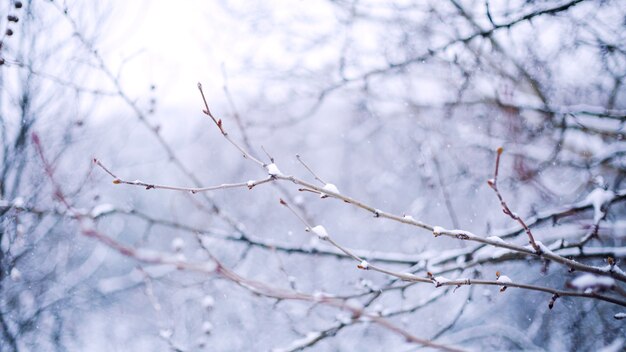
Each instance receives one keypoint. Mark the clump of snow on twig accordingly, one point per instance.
(620, 316)
(587, 281)
(544, 248)
(320, 231)
(612, 268)
(354, 304)
(273, 170)
(504, 279)
(438, 230)
(16, 275)
(101, 209)
(178, 244)
(207, 327)
(208, 302)
(496, 239)
(18, 202)
(364, 265)
(166, 333)
(321, 295)
(598, 198)
(330, 188)
(440, 280)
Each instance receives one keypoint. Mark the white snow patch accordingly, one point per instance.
(365, 284)
(320, 295)
(364, 265)
(178, 244)
(207, 327)
(544, 248)
(496, 239)
(586, 281)
(616, 346)
(598, 198)
(440, 280)
(330, 188)
(16, 275)
(620, 316)
(460, 260)
(354, 304)
(504, 279)
(438, 230)
(18, 202)
(250, 184)
(409, 217)
(208, 302)
(273, 170)
(612, 268)
(320, 231)
(300, 343)
(344, 318)
(102, 209)
(166, 333)
(617, 269)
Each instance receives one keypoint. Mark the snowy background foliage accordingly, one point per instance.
(396, 109)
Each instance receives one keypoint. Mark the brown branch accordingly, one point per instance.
(117, 180)
(493, 183)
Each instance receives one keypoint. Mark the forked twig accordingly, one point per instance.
(493, 183)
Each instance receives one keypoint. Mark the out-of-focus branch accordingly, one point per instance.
(431, 52)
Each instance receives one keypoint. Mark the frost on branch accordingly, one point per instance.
(320, 231)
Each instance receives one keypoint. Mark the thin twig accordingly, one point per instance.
(309, 169)
(117, 180)
(493, 183)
